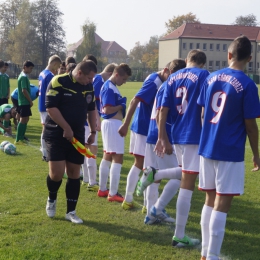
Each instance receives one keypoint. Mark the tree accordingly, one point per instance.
(48, 21)
(88, 45)
(177, 21)
(8, 22)
(247, 20)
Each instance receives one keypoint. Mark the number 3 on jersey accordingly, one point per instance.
(218, 104)
(182, 92)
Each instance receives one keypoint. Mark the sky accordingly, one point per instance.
(130, 21)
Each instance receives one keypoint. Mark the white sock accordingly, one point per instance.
(92, 170)
(43, 146)
(182, 212)
(152, 195)
(114, 178)
(169, 190)
(204, 222)
(216, 232)
(103, 174)
(145, 198)
(85, 170)
(171, 173)
(132, 179)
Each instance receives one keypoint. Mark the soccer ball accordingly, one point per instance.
(10, 149)
(3, 144)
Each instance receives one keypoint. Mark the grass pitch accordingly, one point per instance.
(108, 231)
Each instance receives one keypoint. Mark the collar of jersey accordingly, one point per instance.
(72, 78)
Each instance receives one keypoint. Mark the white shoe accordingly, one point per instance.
(71, 216)
(162, 215)
(51, 208)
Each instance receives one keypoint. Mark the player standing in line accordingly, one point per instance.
(62, 68)
(45, 78)
(142, 105)
(90, 165)
(231, 105)
(68, 95)
(5, 85)
(69, 60)
(168, 161)
(112, 108)
(7, 111)
(24, 101)
(180, 100)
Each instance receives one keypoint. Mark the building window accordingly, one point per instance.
(191, 46)
(217, 65)
(224, 64)
(224, 47)
(184, 46)
(250, 66)
(210, 65)
(211, 47)
(197, 46)
(258, 48)
(218, 47)
(204, 46)
(257, 65)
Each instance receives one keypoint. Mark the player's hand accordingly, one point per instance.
(123, 130)
(68, 134)
(98, 125)
(256, 162)
(91, 139)
(159, 148)
(122, 102)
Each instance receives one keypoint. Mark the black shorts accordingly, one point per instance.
(24, 110)
(3, 101)
(15, 102)
(61, 149)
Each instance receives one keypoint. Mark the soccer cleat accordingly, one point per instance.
(130, 205)
(71, 216)
(118, 197)
(144, 210)
(150, 220)
(20, 142)
(101, 193)
(26, 139)
(44, 159)
(184, 242)
(162, 215)
(146, 180)
(51, 208)
(7, 135)
(93, 187)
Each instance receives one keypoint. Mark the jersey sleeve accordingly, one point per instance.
(202, 95)
(167, 98)
(53, 93)
(97, 86)
(251, 102)
(107, 97)
(147, 92)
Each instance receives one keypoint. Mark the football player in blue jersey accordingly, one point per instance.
(180, 101)
(230, 104)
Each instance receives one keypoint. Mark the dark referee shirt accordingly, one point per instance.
(73, 101)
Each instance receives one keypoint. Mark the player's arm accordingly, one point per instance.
(129, 114)
(25, 92)
(98, 121)
(112, 109)
(252, 132)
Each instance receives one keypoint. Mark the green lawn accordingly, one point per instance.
(108, 231)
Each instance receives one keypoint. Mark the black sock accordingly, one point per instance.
(53, 187)
(72, 193)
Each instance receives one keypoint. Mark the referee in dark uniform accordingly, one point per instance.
(69, 102)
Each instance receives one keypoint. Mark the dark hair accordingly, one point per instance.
(86, 67)
(123, 69)
(240, 48)
(2, 63)
(28, 63)
(63, 64)
(70, 60)
(176, 65)
(90, 57)
(70, 67)
(197, 56)
(6, 64)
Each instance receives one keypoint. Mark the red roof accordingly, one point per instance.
(214, 31)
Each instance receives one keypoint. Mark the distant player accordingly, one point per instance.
(62, 68)
(180, 100)
(90, 165)
(142, 105)
(7, 111)
(4, 83)
(24, 101)
(168, 161)
(112, 107)
(70, 60)
(45, 78)
(230, 104)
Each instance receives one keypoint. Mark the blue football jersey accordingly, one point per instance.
(34, 93)
(180, 96)
(143, 111)
(229, 97)
(109, 95)
(45, 78)
(153, 128)
(97, 84)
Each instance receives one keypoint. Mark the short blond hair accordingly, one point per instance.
(54, 58)
(123, 69)
(110, 68)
